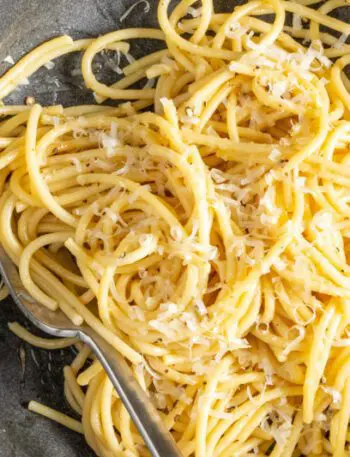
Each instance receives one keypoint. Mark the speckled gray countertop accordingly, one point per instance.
(27, 373)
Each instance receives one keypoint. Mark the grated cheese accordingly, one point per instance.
(146, 239)
(185, 399)
(78, 165)
(137, 313)
(217, 175)
(111, 214)
(343, 342)
(268, 220)
(335, 394)
(279, 428)
(146, 366)
(190, 117)
(320, 417)
(24, 82)
(164, 386)
(270, 177)
(129, 57)
(76, 72)
(279, 89)
(249, 43)
(275, 154)
(190, 321)
(323, 220)
(168, 310)
(110, 141)
(294, 343)
(194, 12)
(9, 60)
(200, 306)
(176, 233)
(280, 264)
(341, 41)
(268, 369)
(297, 23)
(49, 65)
(146, 9)
(223, 348)
(235, 31)
(199, 368)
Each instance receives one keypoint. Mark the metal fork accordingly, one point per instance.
(157, 438)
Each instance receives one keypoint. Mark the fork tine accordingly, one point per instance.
(53, 322)
(147, 420)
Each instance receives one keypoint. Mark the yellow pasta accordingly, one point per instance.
(206, 239)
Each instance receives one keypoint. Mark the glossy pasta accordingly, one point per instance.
(201, 227)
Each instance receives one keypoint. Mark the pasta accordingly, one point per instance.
(202, 227)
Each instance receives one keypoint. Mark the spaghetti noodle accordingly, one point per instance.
(206, 240)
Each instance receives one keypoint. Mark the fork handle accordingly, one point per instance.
(146, 418)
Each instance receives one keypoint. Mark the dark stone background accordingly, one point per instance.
(23, 25)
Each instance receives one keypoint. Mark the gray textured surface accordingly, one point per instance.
(23, 25)
(27, 23)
